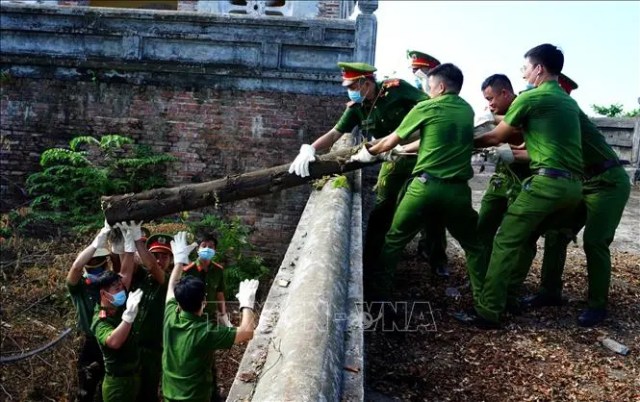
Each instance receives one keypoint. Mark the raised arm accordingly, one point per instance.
(246, 296)
(100, 241)
(181, 252)
(119, 335)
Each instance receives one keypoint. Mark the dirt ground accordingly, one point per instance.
(35, 309)
(539, 356)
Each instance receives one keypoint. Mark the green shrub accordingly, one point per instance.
(68, 189)
(234, 251)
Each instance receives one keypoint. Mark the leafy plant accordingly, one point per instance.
(615, 110)
(234, 251)
(69, 187)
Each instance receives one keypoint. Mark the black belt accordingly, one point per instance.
(599, 168)
(424, 177)
(554, 173)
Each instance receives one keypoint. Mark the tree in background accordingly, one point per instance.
(614, 110)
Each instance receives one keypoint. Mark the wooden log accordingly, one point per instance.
(155, 203)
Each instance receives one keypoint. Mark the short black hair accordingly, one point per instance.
(450, 74)
(497, 82)
(106, 279)
(190, 293)
(210, 237)
(548, 55)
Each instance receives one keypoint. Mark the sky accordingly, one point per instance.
(600, 42)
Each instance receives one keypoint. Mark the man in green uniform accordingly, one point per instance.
(212, 274)
(551, 123)
(377, 108)
(440, 184)
(93, 260)
(432, 246)
(606, 189)
(189, 338)
(505, 184)
(152, 278)
(112, 324)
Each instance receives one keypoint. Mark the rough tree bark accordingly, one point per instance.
(155, 203)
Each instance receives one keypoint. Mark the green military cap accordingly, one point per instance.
(567, 83)
(351, 72)
(419, 59)
(159, 243)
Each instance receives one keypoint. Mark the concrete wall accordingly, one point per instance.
(310, 327)
(225, 94)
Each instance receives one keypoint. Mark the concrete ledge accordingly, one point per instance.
(308, 331)
(150, 47)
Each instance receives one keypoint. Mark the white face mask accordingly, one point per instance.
(420, 75)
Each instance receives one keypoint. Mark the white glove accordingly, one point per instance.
(300, 165)
(129, 243)
(247, 293)
(503, 153)
(483, 118)
(363, 156)
(223, 319)
(135, 229)
(133, 301)
(100, 240)
(180, 248)
(393, 154)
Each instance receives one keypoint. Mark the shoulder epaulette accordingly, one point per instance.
(391, 83)
(215, 264)
(188, 267)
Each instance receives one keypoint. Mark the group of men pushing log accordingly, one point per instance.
(555, 174)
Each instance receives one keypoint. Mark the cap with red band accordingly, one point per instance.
(567, 83)
(419, 59)
(351, 72)
(159, 243)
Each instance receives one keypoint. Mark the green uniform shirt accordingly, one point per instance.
(117, 362)
(147, 327)
(84, 302)
(550, 119)
(595, 149)
(378, 119)
(213, 279)
(446, 136)
(187, 357)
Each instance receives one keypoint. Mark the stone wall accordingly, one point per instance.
(224, 94)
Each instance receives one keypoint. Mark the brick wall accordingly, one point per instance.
(212, 132)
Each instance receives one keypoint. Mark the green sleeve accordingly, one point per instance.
(412, 121)
(348, 120)
(221, 337)
(518, 111)
(170, 309)
(101, 329)
(76, 289)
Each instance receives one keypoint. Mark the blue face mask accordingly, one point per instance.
(529, 86)
(119, 298)
(355, 96)
(206, 253)
(418, 83)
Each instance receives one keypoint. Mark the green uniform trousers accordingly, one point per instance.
(423, 201)
(120, 389)
(497, 198)
(393, 179)
(543, 203)
(150, 374)
(605, 197)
